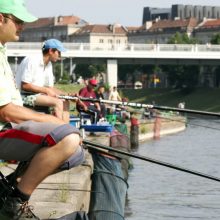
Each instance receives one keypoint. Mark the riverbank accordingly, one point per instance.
(158, 127)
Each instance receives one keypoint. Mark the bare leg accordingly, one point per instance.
(66, 109)
(46, 161)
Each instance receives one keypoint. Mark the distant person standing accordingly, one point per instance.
(114, 95)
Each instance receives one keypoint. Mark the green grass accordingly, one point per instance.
(70, 88)
(204, 99)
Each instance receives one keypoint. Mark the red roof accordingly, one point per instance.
(211, 24)
(102, 29)
(54, 21)
(163, 24)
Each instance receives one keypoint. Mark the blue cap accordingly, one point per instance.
(53, 44)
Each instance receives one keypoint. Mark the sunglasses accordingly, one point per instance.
(15, 20)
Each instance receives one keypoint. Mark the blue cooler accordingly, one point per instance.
(75, 121)
(97, 128)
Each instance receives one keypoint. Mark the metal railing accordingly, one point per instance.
(131, 50)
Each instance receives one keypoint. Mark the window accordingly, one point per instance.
(101, 41)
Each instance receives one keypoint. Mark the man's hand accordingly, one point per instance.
(50, 92)
(98, 106)
(85, 108)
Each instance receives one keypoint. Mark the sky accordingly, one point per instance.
(125, 12)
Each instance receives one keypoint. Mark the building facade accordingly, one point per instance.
(182, 12)
(60, 27)
(206, 30)
(160, 31)
(113, 35)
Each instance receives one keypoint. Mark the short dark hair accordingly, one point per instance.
(46, 50)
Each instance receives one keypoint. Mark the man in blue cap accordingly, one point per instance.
(35, 80)
(47, 142)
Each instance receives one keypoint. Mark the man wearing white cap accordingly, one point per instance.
(26, 135)
(35, 80)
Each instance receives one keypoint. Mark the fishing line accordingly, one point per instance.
(100, 147)
(189, 123)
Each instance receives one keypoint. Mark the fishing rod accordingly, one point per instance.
(140, 105)
(106, 149)
(75, 98)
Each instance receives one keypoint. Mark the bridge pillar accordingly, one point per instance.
(112, 72)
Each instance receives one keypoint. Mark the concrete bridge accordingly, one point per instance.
(112, 55)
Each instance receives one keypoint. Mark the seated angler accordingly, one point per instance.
(89, 106)
(45, 141)
(35, 79)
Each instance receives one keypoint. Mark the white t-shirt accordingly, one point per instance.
(32, 70)
(114, 96)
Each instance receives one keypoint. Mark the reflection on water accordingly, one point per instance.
(160, 193)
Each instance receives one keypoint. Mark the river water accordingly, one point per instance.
(160, 193)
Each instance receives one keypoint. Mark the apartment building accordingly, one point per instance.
(160, 31)
(76, 30)
(60, 27)
(207, 29)
(181, 11)
(108, 35)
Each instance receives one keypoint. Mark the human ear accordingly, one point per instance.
(1, 18)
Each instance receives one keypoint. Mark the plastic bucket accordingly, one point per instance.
(111, 119)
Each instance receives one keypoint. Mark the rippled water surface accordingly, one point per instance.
(159, 193)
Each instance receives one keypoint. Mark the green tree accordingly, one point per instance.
(89, 70)
(179, 38)
(124, 71)
(182, 76)
(215, 39)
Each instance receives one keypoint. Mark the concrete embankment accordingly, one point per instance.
(69, 191)
(156, 128)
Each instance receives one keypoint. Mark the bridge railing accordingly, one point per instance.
(33, 47)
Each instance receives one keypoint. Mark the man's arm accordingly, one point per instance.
(29, 87)
(58, 91)
(118, 97)
(17, 114)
